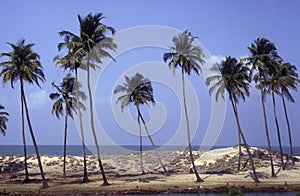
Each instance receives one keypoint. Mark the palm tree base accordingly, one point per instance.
(199, 180)
(105, 183)
(26, 180)
(85, 180)
(45, 185)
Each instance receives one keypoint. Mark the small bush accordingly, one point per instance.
(298, 193)
(234, 192)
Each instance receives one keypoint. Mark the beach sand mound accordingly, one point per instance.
(225, 160)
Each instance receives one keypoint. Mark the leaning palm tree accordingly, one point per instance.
(262, 53)
(288, 80)
(23, 65)
(3, 120)
(280, 82)
(93, 43)
(72, 61)
(65, 102)
(234, 78)
(138, 90)
(272, 86)
(188, 57)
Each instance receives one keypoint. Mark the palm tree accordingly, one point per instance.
(72, 61)
(234, 78)
(262, 54)
(186, 56)
(65, 99)
(272, 86)
(3, 120)
(138, 90)
(288, 80)
(280, 82)
(93, 42)
(23, 65)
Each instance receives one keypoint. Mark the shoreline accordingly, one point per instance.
(216, 167)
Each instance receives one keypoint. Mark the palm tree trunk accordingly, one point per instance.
(151, 140)
(65, 142)
(278, 131)
(105, 181)
(289, 128)
(23, 136)
(141, 143)
(239, 140)
(44, 182)
(241, 134)
(267, 133)
(85, 176)
(188, 128)
(240, 150)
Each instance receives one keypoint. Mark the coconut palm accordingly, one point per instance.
(3, 120)
(72, 61)
(288, 80)
(272, 86)
(234, 78)
(65, 102)
(23, 65)
(279, 83)
(93, 43)
(188, 57)
(262, 54)
(138, 91)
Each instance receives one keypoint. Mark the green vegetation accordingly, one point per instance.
(234, 192)
(3, 120)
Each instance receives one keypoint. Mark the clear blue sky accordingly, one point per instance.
(223, 27)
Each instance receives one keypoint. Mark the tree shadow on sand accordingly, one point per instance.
(140, 178)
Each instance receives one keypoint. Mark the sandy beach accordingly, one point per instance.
(217, 167)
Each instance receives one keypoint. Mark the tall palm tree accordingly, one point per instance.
(23, 65)
(279, 83)
(272, 86)
(93, 42)
(3, 120)
(262, 54)
(188, 57)
(65, 102)
(138, 90)
(288, 80)
(234, 78)
(72, 61)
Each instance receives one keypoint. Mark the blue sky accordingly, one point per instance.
(223, 27)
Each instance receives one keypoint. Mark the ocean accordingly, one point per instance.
(76, 150)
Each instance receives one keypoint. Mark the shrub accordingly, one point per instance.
(234, 192)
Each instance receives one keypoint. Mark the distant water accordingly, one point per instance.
(76, 150)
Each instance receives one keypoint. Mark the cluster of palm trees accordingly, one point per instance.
(271, 76)
(94, 42)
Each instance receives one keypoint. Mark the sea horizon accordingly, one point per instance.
(76, 150)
